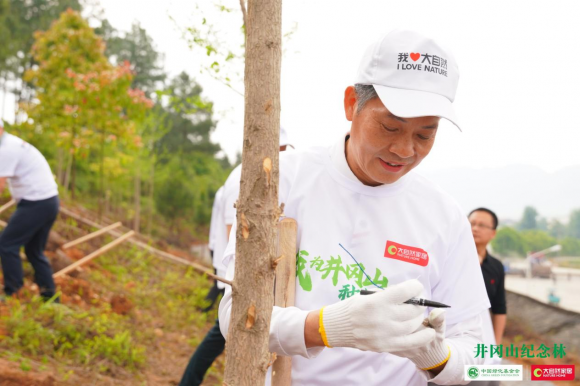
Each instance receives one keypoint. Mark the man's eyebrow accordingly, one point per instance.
(433, 126)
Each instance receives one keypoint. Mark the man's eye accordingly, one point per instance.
(389, 129)
(424, 137)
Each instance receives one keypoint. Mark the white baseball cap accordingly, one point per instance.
(284, 138)
(414, 76)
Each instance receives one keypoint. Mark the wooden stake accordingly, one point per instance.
(7, 205)
(96, 253)
(285, 291)
(91, 235)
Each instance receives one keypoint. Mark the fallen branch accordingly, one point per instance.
(96, 253)
(200, 268)
(91, 235)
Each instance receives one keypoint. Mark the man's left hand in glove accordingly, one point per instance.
(436, 353)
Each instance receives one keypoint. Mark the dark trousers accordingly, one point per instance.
(212, 346)
(213, 293)
(29, 226)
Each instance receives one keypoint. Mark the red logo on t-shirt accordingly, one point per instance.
(406, 253)
(492, 281)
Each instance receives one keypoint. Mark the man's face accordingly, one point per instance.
(383, 147)
(482, 227)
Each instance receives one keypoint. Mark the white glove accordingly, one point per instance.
(436, 352)
(379, 322)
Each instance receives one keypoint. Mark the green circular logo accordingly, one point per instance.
(392, 250)
(473, 372)
(537, 373)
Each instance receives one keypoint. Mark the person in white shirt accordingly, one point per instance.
(33, 187)
(216, 221)
(366, 221)
(224, 212)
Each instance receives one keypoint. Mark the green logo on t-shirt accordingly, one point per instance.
(334, 269)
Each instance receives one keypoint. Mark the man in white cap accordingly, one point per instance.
(367, 222)
(33, 187)
(213, 344)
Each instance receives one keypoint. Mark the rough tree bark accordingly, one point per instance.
(248, 357)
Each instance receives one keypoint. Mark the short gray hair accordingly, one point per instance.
(364, 93)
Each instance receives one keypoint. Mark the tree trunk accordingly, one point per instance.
(101, 202)
(67, 173)
(73, 177)
(137, 192)
(4, 88)
(151, 197)
(248, 356)
(59, 171)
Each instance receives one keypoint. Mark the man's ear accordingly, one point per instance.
(350, 103)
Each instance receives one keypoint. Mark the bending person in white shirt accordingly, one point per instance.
(367, 221)
(33, 187)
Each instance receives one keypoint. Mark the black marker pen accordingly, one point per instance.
(415, 301)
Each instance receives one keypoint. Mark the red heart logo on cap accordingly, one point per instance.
(415, 56)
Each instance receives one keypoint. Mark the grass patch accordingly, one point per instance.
(85, 333)
(80, 337)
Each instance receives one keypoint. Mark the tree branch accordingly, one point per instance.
(243, 6)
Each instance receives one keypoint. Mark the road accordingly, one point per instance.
(567, 288)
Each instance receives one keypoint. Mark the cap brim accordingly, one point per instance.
(413, 104)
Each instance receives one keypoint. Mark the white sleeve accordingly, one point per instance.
(461, 283)
(8, 162)
(231, 193)
(462, 339)
(286, 325)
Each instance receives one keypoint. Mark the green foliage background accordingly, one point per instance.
(533, 234)
(121, 136)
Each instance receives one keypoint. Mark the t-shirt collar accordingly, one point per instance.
(338, 156)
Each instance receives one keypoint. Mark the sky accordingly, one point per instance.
(519, 63)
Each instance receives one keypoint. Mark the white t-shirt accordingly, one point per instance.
(231, 194)
(406, 230)
(488, 336)
(221, 241)
(227, 216)
(215, 214)
(29, 175)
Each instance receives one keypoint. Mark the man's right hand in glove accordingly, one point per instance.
(380, 322)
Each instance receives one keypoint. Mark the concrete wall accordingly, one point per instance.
(551, 322)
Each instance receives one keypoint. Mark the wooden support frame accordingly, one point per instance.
(285, 290)
(164, 255)
(91, 235)
(3, 208)
(7, 205)
(96, 253)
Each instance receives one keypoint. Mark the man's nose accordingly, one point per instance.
(403, 147)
